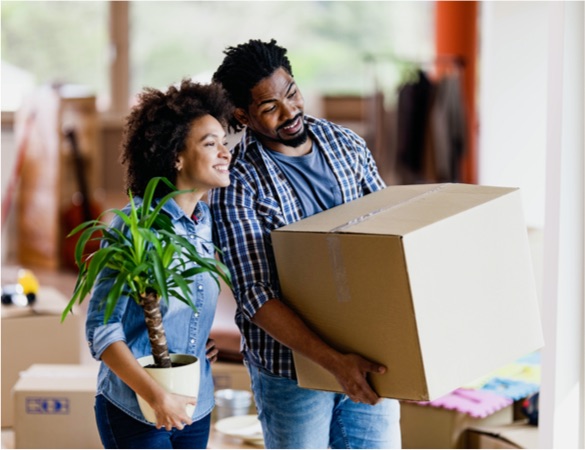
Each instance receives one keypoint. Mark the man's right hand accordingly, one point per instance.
(351, 372)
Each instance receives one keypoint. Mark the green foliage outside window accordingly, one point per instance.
(68, 41)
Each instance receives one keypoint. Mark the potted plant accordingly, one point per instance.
(146, 262)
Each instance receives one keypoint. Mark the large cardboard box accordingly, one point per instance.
(54, 407)
(34, 334)
(430, 427)
(433, 281)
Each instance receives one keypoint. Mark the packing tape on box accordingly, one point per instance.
(334, 244)
(371, 214)
(336, 256)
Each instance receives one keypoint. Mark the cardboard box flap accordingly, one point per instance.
(399, 210)
(52, 377)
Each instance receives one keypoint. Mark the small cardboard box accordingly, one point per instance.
(433, 281)
(230, 376)
(515, 435)
(54, 407)
(34, 334)
(429, 427)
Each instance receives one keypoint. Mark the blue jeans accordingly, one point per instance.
(118, 430)
(293, 417)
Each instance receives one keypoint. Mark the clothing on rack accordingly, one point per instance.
(413, 105)
(431, 129)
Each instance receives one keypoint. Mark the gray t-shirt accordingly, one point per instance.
(311, 178)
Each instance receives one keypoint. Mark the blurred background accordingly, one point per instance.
(472, 92)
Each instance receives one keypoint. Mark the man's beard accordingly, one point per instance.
(297, 141)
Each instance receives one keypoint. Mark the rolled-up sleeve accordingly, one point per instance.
(100, 335)
(104, 336)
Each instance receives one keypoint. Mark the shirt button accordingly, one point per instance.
(192, 341)
(192, 236)
(196, 314)
(224, 249)
(199, 287)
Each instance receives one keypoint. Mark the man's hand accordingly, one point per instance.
(211, 351)
(351, 372)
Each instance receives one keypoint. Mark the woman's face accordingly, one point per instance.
(204, 164)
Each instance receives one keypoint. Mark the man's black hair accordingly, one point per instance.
(244, 66)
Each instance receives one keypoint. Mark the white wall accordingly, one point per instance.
(512, 100)
(532, 136)
(562, 400)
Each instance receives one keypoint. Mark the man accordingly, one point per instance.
(288, 166)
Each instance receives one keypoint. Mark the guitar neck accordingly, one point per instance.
(80, 174)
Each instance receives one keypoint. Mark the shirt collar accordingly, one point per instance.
(175, 212)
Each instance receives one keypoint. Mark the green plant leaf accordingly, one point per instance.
(113, 296)
(125, 218)
(160, 275)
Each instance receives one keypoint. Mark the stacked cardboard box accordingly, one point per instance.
(34, 334)
(428, 427)
(53, 406)
(515, 435)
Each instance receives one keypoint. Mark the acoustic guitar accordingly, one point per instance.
(82, 208)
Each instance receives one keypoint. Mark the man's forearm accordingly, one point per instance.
(350, 370)
(284, 325)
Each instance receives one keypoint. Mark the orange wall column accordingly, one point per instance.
(456, 34)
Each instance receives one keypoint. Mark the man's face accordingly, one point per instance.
(276, 112)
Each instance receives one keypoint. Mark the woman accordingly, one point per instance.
(178, 134)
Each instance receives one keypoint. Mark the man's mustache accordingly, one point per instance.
(290, 122)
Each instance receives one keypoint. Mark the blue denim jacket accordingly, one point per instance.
(187, 332)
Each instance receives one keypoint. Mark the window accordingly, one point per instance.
(327, 41)
(53, 42)
(69, 42)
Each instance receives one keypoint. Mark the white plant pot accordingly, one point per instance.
(182, 380)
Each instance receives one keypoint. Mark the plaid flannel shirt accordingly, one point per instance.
(259, 200)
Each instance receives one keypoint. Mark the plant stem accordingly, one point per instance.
(156, 332)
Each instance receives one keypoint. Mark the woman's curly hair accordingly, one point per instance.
(157, 128)
(244, 66)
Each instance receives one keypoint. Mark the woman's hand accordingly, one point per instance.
(211, 351)
(170, 411)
